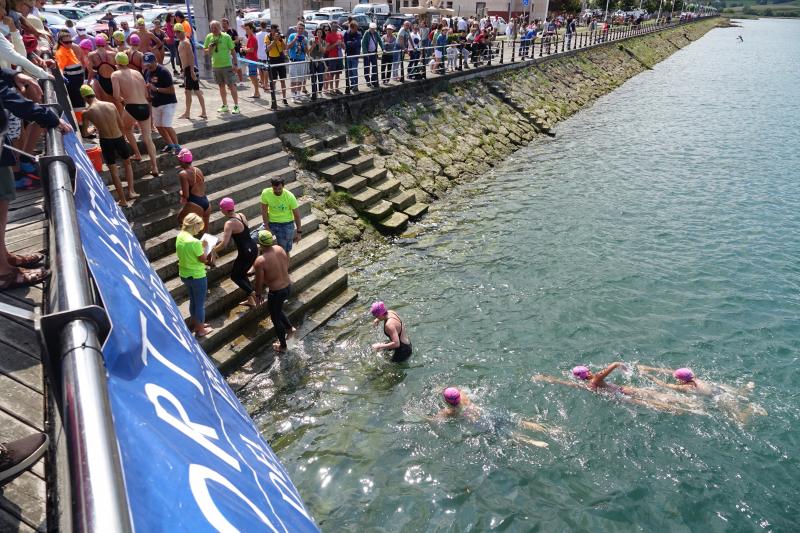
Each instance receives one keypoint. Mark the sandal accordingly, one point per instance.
(19, 277)
(25, 260)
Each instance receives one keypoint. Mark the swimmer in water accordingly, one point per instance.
(597, 383)
(393, 328)
(459, 405)
(728, 398)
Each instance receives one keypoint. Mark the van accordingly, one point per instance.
(332, 10)
(372, 10)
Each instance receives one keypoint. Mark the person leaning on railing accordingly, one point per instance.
(17, 91)
(369, 47)
(352, 45)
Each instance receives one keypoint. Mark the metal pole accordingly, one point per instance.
(99, 499)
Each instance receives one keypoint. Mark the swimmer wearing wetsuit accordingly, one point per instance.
(193, 189)
(394, 328)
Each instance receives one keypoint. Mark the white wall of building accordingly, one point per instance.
(464, 7)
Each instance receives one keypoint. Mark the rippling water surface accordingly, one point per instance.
(661, 226)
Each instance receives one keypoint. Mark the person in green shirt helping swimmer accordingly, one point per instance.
(280, 213)
(222, 50)
(192, 261)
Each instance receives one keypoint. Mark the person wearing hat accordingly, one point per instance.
(369, 47)
(192, 260)
(162, 99)
(223, 53)
(118, 41)
(130, 96)
(187, 28)
(272, 274)
(11, 44)
(236, 229)
(83, 36)
(101, 61)
(193, 189)
(191, 81)
(394, 329)
(135, 56)
(388, 56)
(108, 123)
(279, 212)
(147, 41)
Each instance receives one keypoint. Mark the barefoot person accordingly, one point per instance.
(190, 80)
(394, 329)
(459, 405)
(272, 273)
(192, 271)
(109, 127)
(193, 189)
(281, 214)
(163, 101)
(102, 63)
(729, 399)
(130, 95)
(236, 228)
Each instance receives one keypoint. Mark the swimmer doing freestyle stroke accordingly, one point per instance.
(728, 398)
(647, 397)
(459, 405)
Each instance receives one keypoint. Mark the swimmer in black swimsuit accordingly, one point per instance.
(193, 189)
(394, 329)
(102, 55)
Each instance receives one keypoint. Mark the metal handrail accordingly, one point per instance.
(99, 501)
(493, 53)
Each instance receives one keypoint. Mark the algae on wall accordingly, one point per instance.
(430, 142)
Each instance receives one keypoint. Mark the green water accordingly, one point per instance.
(660, 226)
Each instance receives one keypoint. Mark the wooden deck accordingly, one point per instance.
(22, 400)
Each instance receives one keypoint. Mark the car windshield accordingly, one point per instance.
(54, 19)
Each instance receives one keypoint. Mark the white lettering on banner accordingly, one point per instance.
(218, 384)
(147, 346)
(114, 246)
(197, 432)
(199, 476)
(158, 314)
(276, 476)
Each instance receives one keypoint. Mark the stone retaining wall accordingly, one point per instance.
(431, 140)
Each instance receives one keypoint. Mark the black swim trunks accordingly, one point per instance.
(188, 83)
(112, 148)
(138, 111)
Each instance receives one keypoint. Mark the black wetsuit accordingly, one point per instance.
(402, 352)
(244, 260)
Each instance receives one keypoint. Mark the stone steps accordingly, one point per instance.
(166, 209)
(374, 175)
(387, 186)
(402, 200)
(365, 198)
(348, 152)
(321, 160)
(310, 245)
(416, 211)
(163, 243)
(228, 325)
(224, 144)
(394, 223)
(351, 184)
(336, 172)
(215, 181)
(379, 210)
(257, 336)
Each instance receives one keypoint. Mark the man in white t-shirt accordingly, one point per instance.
(263, 74)
(240, 22)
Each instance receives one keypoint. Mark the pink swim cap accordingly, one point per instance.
(100, 40)
(683, 374)
(134, 40)
(378, 309)
(86, 44)
(452, 395)
(185, 155)
(227, 204)
(581, 372)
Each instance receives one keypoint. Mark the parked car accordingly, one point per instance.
(362, 21)
(257, 15)
(332, 10)
(55, 21)
(397, 21)
(69, 12)
(86, 5)
(372, 10)
(324, 17)
(114, 7)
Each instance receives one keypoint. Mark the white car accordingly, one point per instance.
(114, 7)
(55, 21)
(69, 12)
(257, 15)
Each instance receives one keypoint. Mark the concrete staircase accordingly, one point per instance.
(237, 158)
(369, 190)
(539, 122)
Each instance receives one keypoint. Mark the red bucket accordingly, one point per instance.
(96, 157)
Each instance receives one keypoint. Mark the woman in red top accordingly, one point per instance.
(333, 63)
(250, 50)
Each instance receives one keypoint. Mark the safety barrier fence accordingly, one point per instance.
(354, 72)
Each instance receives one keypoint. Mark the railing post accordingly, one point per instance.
(346, 72)
(502, 51)
(99, 499)
(272, 95)
(402, 66)
(513, 49)
(313, 70)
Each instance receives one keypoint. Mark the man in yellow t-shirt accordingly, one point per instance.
(276, 56)
(279, 212)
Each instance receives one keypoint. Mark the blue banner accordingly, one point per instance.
(193, 459)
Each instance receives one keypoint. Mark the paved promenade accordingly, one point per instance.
(22, 399)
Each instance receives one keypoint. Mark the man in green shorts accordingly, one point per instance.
(280, 213)
(221, 47)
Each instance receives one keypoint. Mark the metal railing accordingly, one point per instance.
(71, 331)
(361, 71)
